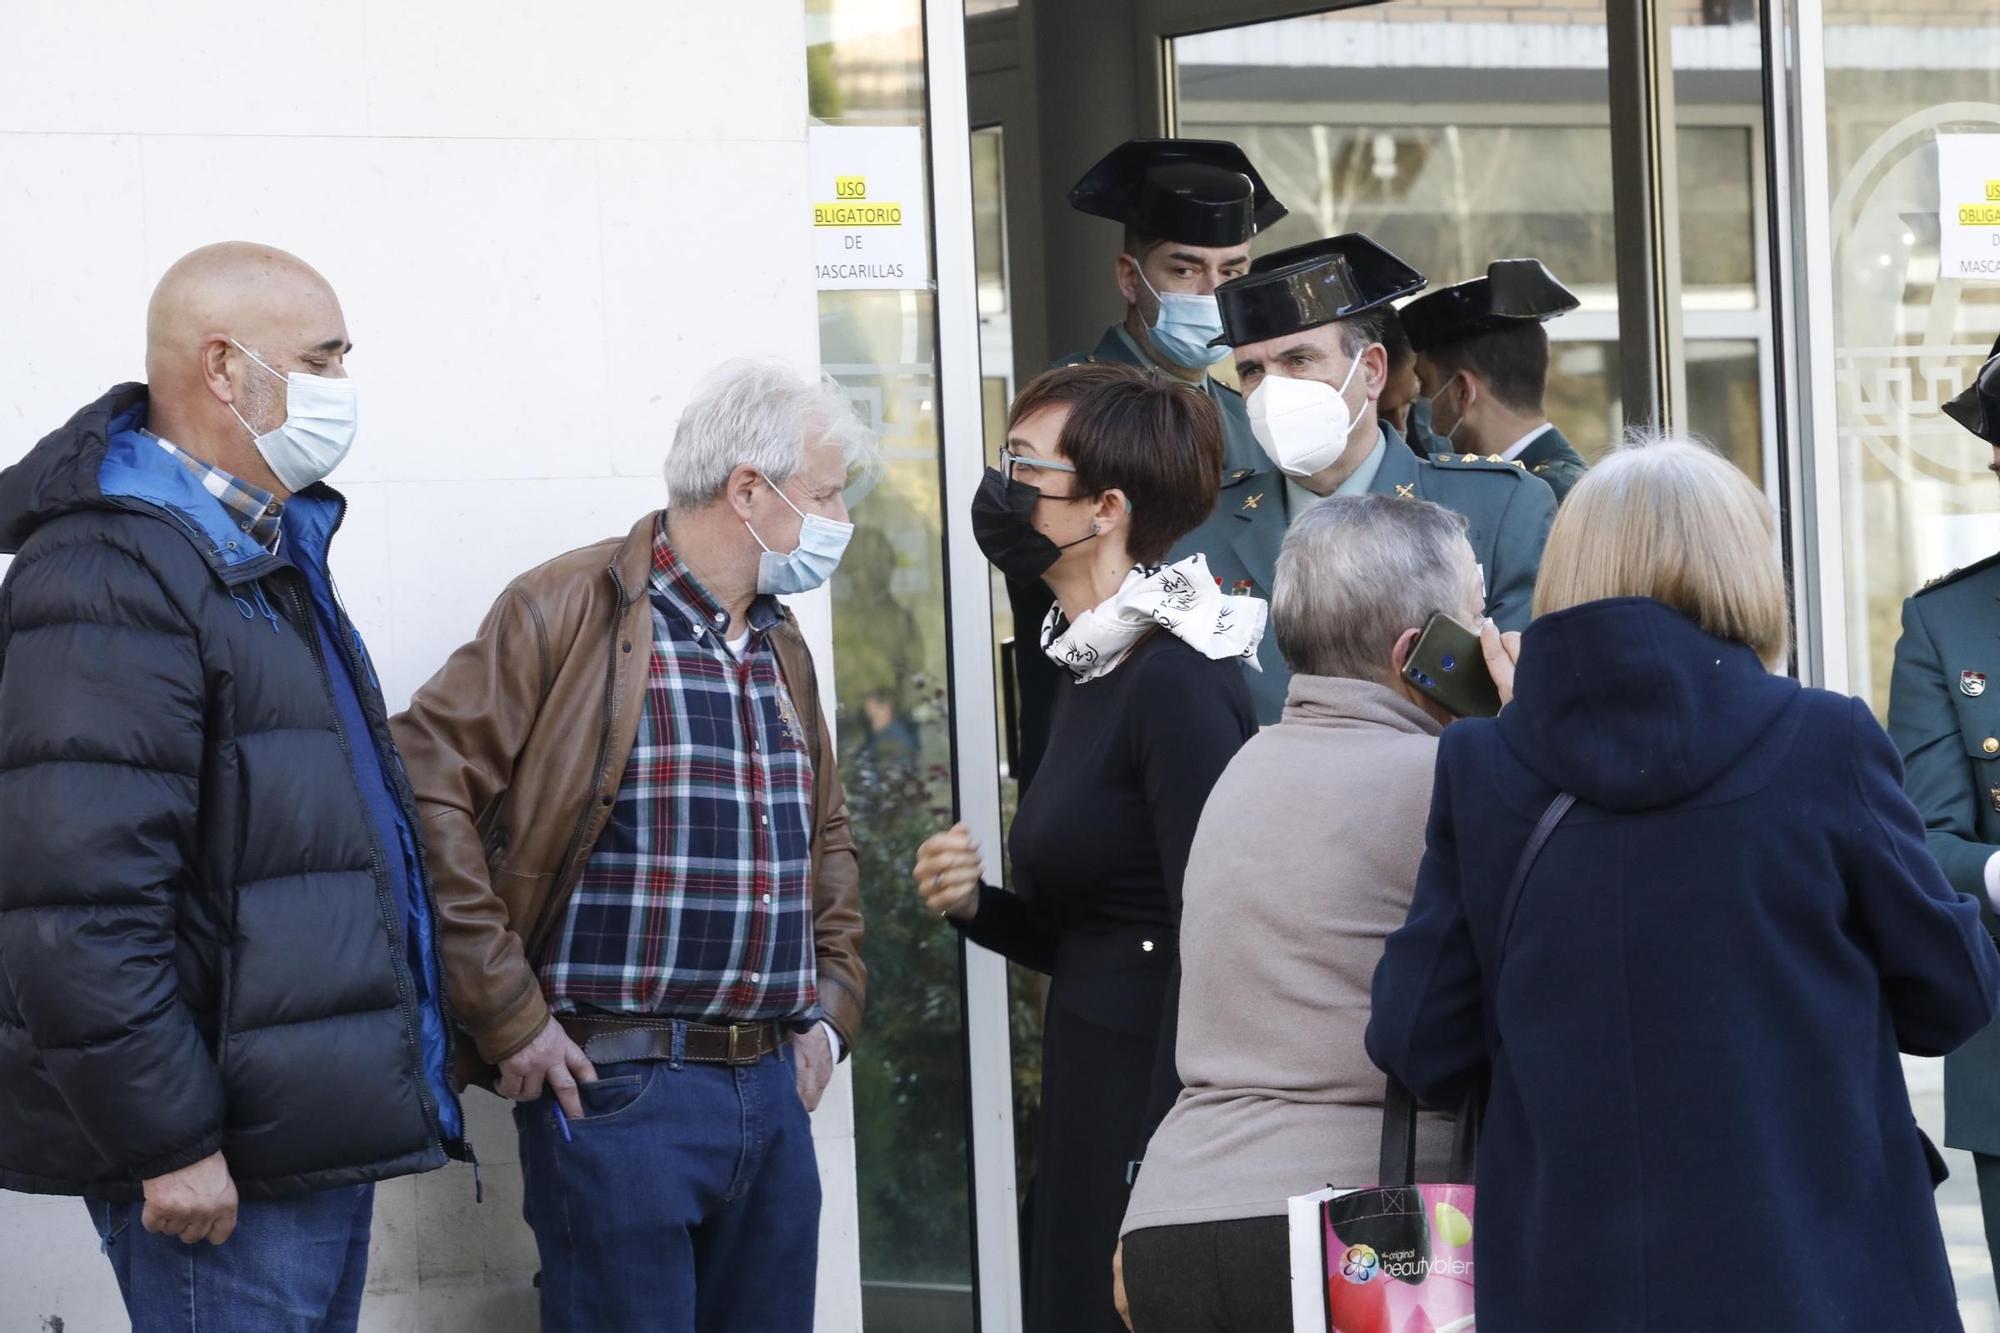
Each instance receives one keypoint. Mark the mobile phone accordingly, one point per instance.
(1449, 667)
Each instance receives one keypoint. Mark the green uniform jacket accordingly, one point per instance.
(1507, 512)
(1944, 715)
(1555, 460)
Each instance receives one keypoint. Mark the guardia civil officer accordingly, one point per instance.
(1402, 405)
(1305, 325)
(1945, 719)
(1483, 362)
(1189, 208)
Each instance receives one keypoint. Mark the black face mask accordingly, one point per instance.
(1003, 514)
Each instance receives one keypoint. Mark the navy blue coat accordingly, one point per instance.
(1697, 1117)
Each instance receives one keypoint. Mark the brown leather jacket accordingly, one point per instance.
(517, 748)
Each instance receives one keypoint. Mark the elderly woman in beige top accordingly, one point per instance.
(1304, 860)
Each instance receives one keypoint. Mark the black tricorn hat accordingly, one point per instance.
(1195, 191)
(1513, 292)
(1978, 408)
(1310, 285)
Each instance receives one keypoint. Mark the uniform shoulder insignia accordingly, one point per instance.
(1944, 580)
(1492, 463)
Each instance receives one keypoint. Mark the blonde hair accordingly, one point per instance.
(1672, 520)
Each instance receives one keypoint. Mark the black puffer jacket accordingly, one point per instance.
(200, 945)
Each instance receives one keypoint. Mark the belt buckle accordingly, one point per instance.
(733, 1031)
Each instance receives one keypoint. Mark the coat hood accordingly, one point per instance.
(60, 474)
(1629, 705)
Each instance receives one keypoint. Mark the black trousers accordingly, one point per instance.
(1095, 1082)
(1211, 1277)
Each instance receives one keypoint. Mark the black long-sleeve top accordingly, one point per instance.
(1101, 840)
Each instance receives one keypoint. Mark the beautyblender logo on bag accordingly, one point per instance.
(1359, 1265)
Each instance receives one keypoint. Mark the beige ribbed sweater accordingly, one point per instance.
(1305, 859)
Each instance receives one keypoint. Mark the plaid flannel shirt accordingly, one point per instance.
(696, 902)
(258, 513)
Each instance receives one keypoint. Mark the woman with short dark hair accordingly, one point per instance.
(1104, 470)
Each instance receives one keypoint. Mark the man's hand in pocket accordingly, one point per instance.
(813, 1065)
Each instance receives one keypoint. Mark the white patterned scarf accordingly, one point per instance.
(1182, 598)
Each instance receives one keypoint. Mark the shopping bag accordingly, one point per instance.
(1394, 1258)
(1398, 1258)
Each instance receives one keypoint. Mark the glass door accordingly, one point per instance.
(867, 61)
(1906, 121)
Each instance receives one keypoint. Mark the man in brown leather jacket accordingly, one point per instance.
(635, 825)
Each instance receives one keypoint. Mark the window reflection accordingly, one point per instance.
(1460, 137)
(1904, 339)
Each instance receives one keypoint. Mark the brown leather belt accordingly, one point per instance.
(609, 1041)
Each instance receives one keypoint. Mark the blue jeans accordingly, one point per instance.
(684, 1200)
(292, 1266)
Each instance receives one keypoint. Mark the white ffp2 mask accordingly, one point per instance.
(1302, 424)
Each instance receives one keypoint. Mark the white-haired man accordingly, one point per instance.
(650, 898)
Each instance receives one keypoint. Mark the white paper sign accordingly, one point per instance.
(868, 208)
(1969, 206)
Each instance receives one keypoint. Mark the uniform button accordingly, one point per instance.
(756, 976)
(1990, 745)
(722, 617)
(767, 897)
(1147, 945)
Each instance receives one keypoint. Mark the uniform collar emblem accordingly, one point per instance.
(1972, 684)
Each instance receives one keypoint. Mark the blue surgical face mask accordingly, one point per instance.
(822, 542)
(1185, 326)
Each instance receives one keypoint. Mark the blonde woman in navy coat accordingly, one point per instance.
(1697, 1117)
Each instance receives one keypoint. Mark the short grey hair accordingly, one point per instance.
(1356, 571)
(762, 414)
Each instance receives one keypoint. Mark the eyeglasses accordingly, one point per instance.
(1009, 460)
